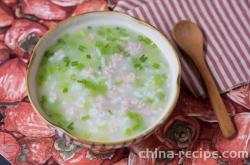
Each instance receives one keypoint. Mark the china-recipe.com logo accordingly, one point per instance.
(159, 154)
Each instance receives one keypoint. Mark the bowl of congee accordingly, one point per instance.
(105, 79)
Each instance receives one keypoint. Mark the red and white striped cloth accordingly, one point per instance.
(226, 25)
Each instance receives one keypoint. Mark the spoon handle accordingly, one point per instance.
(225, 122)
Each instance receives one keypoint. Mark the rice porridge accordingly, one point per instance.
(103, 83)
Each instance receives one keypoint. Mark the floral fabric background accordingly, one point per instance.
(26, 140)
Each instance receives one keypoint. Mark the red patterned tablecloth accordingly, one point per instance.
(25, 139)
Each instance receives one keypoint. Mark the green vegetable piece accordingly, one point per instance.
(48, 53)
(110, 112)
(57, 117)
(88, 56)
(77, 65)
(43, 100)
(137, 121)
(89, 27)
(98, 88)
(65, 89)
(144, 39)
(61, 41)
(101, 32)
(66, 60)
(41, 78)
(51, 69)
(82, 48)
(74, 63)
(122, 31)
(159, 79)
(71, 126)
(150, 101)
(161, 96)
(138, 66)
(143, 58)
(80, 67)
(156, 65)
(86, 117)
(117, 49)
(104, 47)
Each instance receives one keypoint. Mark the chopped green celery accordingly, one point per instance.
(109, 47)
(126, 54)
(53, 111)
(116, 49)
(43, 63)
(144, 39)
(41, 78)
(85, 117)
(137, 121)
(88, 56)
(62, 67)
(150, 101)
(101, 32)
(87, 105)
(66, 60)
(97, 88)
(156, 65)
(143, 58)
(73, 40)
(102, 46)
(80, 67)
(138, 66)
(77, 65)
(74, 63)
(51, 69)
(71, 126)
(112, 38)
(65, 89)
(122, 31)
(82, 48)
(48, 53)
(104, 31)
(57, 117)
(159, 79)
(110, 112)
(61, 41)
(161, 95)
(43, 100)
(89, 27)
(105, 49)
(64, 85)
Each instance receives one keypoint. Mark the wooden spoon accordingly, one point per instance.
(189, 38)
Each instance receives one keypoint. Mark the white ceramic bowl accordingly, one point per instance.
(107, 19)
